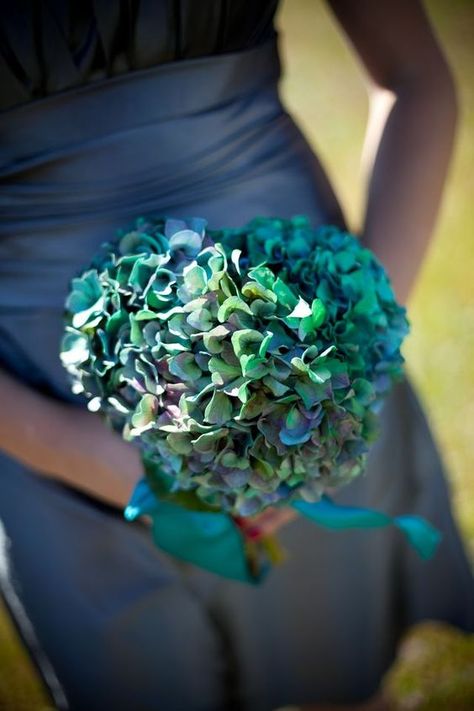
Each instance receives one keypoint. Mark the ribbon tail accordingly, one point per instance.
(420, 534)
(142, 501)
(331, 515)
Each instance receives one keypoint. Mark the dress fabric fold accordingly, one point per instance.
(121, 624)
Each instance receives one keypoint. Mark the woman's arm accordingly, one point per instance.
(409, 145)
(75, 447)
(66, 443)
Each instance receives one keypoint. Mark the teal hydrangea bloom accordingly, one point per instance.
(248, 364)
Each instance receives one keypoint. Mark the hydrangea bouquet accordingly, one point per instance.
(248, 365)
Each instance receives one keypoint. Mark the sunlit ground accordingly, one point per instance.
(324, 88)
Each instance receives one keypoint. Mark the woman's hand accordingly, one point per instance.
(76, 447)
(266, 523)
(66, 443)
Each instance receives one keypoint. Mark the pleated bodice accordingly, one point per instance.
(47, 46)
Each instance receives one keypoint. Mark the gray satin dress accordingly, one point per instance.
(114, 110)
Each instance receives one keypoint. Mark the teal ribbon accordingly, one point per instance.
(420, 534)
(206, 539)
(212, 540)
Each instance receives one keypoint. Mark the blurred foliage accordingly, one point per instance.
(324, 88)
(19, 687)
(434, 671)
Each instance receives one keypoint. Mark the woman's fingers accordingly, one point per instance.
(268, 522)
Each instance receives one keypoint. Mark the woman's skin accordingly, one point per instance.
(407, 152)
(66, 443)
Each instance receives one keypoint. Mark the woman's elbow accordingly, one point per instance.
(432, 86)
(444, 86)
(451, 96)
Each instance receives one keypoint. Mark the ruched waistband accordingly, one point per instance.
(173, 89)
(182, 136)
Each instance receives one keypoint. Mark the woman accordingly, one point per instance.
(113, 110)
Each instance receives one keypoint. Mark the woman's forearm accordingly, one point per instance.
(66, 443)
(399, 50)
(408, 170)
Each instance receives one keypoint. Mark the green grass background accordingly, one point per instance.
(324, 88)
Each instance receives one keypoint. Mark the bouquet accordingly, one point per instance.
(249, 365)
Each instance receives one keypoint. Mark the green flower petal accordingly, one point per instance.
(301, 310)
(145, 414)
(184, 366)
(219, 409)
(231, 304)
(188, 241)
(246, 341)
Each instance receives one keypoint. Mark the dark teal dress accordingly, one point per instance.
(111, 110)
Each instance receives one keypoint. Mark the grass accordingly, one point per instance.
(324, 88)
(19, 686)
(435, 671)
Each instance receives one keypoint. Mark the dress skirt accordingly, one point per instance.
(113, 622)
